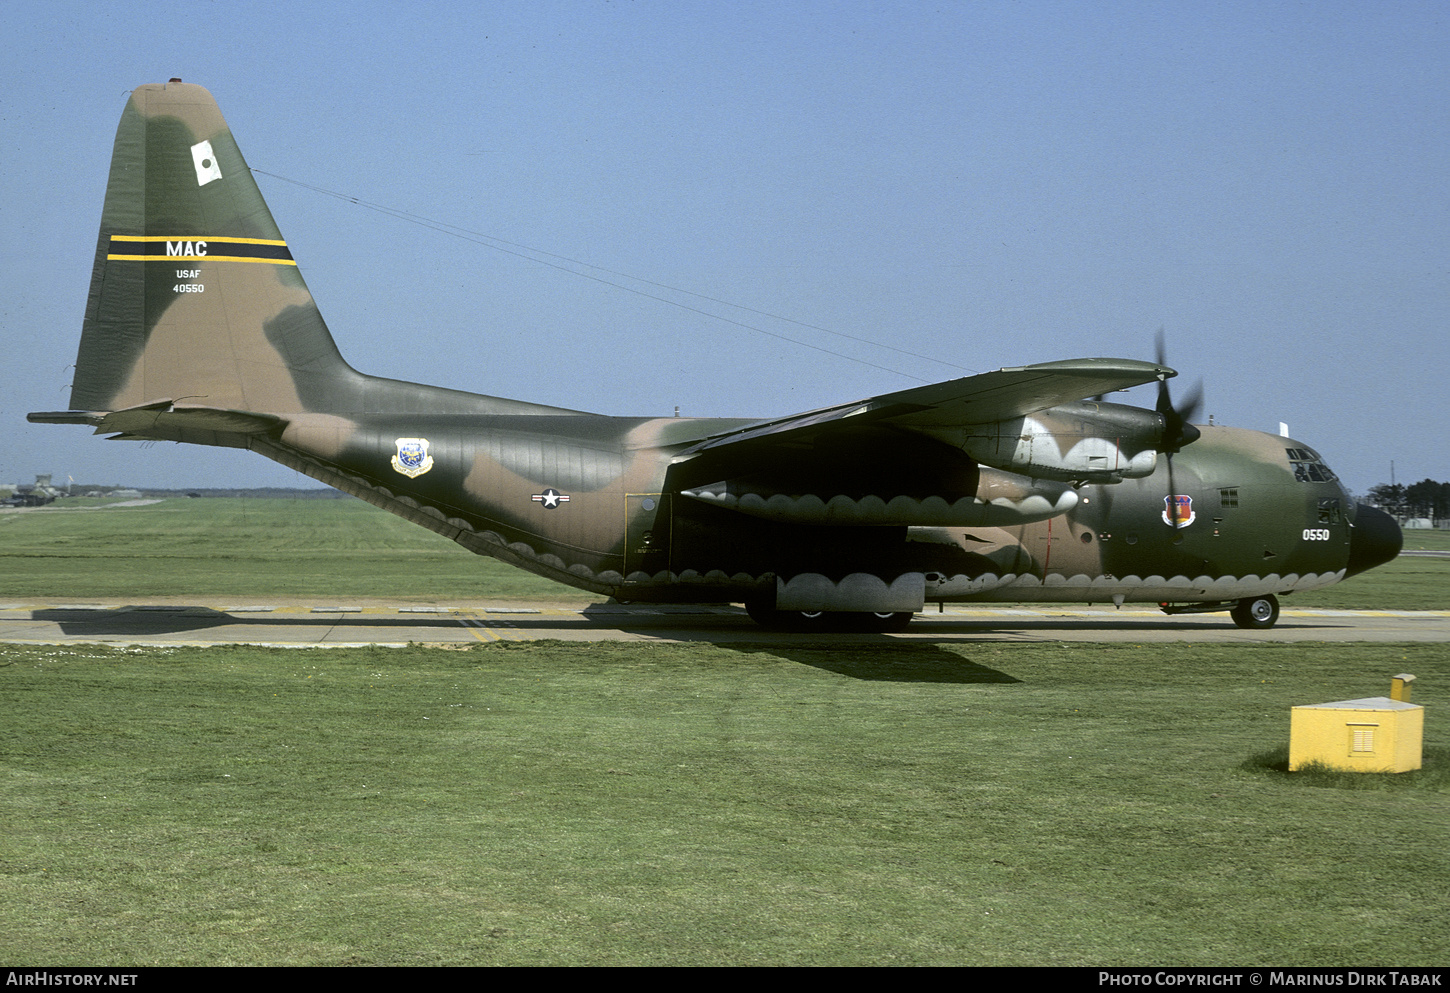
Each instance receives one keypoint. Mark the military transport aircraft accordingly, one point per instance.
(1012, 485)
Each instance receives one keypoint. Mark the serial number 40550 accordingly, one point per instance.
(188, 288)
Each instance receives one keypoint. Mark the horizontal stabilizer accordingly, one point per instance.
(90, 417)
(163, 420)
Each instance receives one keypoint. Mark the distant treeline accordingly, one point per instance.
(1427, 498)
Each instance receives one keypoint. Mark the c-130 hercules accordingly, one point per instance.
(1012, 485)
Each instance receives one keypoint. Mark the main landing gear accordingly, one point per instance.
(885, 622)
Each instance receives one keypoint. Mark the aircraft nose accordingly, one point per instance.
(1375, 539)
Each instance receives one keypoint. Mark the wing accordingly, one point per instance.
(916, 457)
(985, 399)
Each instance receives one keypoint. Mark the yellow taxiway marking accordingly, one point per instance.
(488, 630)
(478, 630)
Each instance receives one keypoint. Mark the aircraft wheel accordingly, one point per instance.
(811, 620)
(889, 622)
(1257, 613)
(767, 616)
(826, 620)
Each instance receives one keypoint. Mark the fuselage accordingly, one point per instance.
(601, 503)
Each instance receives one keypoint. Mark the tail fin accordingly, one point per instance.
(196, 302)
(194, 293)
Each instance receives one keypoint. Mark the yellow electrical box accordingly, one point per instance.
(1376, 734)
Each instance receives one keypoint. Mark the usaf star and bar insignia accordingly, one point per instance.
(412, 459)
(551, 498)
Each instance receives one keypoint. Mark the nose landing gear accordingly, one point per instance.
(1256, 613)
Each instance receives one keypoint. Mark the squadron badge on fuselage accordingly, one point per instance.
(412, 459)
(1179, 505)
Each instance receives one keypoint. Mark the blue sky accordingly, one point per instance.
(983, 184)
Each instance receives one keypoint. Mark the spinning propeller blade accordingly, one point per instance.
(1177, 432)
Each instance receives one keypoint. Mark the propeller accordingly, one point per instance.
(1177, 432)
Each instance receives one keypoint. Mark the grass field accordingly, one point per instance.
(245, 548)
(607, 803)
(618, 803)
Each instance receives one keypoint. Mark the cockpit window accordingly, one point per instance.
(1308, 467)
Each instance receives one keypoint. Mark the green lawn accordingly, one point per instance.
(619, 803)
(1425, 539)
(245, 548)
(611, 803)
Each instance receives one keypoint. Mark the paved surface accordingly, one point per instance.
(339, 624)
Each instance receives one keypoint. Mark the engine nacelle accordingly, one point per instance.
(1080, 442)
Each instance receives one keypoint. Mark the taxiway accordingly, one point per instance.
(335, 624)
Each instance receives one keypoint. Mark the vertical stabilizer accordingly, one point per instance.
(194, 293)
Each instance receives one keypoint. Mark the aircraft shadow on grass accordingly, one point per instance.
(175, 620)
(864, 656)
(881, 660)
(139, 619)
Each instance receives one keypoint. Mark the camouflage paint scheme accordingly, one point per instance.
(1004, 486)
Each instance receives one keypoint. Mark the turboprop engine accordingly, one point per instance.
(1083, 442)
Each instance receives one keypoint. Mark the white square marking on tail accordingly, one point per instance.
(205, 161)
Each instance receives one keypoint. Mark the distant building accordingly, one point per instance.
(36, 494)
